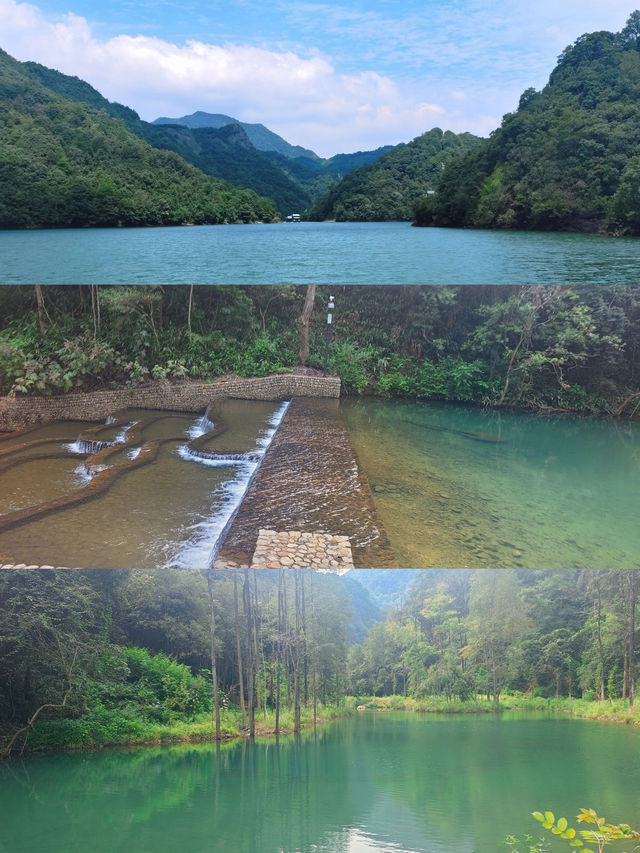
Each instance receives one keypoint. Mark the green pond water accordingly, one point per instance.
(169, 512)
(379, 782)
(314, 252)
(459, 486)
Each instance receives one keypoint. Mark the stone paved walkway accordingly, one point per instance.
(310, 482)
(293, 548)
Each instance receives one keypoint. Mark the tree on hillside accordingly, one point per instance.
(497, 620)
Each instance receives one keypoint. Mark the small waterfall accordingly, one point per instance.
(86, 445)
(206, 544)
(200, 427)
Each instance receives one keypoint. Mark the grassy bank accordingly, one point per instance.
(111, 727)
(611, 710)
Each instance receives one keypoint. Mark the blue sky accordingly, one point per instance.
(332, 76)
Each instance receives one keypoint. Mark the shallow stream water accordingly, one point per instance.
(169, 512)
(458, 486)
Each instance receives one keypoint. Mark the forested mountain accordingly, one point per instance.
(65, 163)
(260, 136)
(385, 586)
(223, 150)
(388, 189)
(249, 155)
(567, 159)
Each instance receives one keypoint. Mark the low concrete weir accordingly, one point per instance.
(309, 481)
(16, 413)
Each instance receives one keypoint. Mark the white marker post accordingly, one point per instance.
(327, 334)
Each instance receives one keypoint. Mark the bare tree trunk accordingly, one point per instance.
(600, 645)
(40, 304)
(303, 324)
(305, 664)
(633, 592)
(95, 309)
(190, 307)
(313, 658)
(258, 657)
(279, 650)
(238, 649)
(250, 667)
(296, 670)
(214, 673)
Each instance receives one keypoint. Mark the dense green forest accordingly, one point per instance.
(549, 348)
(546, 633)
(567, 159)
(117, 656)
(390, 188)
(247, 155)
(65, 163)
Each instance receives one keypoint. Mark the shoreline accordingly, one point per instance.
(620, 712)
(226, 737)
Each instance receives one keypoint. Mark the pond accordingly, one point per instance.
(374, 783)
(314, 253)
(167, 512)
(459, 486)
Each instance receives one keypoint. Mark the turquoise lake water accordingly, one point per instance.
(459, 486)
(313, 252)
(383, 782)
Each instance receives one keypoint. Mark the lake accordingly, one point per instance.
(314, 252)
(460, 486)
(375, 783)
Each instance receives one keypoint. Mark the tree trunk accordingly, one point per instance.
(600, 644)
(250, 668)
(95, 309)
(296, 668)
(40, 304)
(303, 324)
(190, 307)
(633, 592)
(214, 674)
(238, 649)
(279, 650)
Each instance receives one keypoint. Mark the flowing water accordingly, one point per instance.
(169, 512)
(375, 783)
(457, 486)
(312, 253)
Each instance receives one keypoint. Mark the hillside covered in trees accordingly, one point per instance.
(546, 348)
(567, 159)
(117, 657)
(66, 163)
(389, 188)
(247, 155)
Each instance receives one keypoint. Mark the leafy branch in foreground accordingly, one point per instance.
(602, 834)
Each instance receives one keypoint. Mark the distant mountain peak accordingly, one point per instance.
(260, 136)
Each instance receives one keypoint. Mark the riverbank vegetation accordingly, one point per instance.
(89, 658)
(550, 348)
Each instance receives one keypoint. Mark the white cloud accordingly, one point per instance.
(302, 97)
